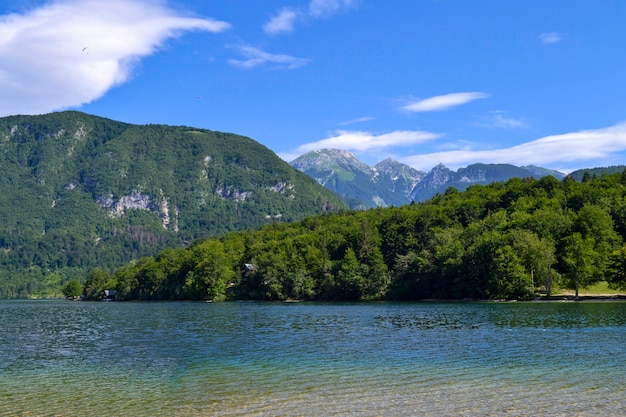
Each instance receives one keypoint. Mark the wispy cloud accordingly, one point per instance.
(360, 141)
(550, 37)
(327, 8)
(285, 20)
(255, 57)
(566, 150)
(357, 120)
(497, 119)
(443, 102)
(45, 65)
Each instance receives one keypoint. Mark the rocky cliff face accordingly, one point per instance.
(436, 179)
(136, 200)
(400, 178)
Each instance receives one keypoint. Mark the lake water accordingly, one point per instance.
(61, 358)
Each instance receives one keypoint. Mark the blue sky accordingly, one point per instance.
(538, 82)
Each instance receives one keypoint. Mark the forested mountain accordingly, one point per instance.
(589, 173)
(391, 183)
(506, 240)
(79, 191)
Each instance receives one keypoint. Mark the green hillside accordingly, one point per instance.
(79, 191)
(589, 173)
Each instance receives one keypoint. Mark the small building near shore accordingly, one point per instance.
(109, 295)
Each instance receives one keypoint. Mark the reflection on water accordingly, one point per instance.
(312, 359)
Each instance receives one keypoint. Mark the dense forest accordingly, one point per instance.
(79, 191)
(508, 240)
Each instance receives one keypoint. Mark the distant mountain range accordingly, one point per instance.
(391, 183)
(582, 174)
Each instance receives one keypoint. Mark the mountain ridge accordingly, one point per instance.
(358, 184)
(392, 183)
(79, 191)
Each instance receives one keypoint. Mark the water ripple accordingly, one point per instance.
(255, 359)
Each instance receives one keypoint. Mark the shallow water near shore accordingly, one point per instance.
(60, 358)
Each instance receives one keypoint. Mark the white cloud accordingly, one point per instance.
(364, 141)
(550, 37)
(327, 8)
(357, 120)
(255, 57)
(443, 102)
(284, 21)
(45, 66)
(569, 149)
(498, 120)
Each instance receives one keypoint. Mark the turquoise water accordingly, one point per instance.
(61, 358)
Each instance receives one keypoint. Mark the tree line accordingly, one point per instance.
(508, 240)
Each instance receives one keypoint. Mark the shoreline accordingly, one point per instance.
(572, 297)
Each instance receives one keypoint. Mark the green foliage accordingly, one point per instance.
(616, 269)
(579, 257)
(95, 284)
(211, 273)
(72, 289)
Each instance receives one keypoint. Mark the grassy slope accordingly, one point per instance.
(599, 289)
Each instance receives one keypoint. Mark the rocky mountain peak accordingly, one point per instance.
(390, 182)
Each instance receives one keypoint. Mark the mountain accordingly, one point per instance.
(359, 185)
(585, 174)
(79, 191)
(440, 178)
(397, 177)
(539, 172)
(393, 183)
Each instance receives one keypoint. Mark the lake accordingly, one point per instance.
(62, 358)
